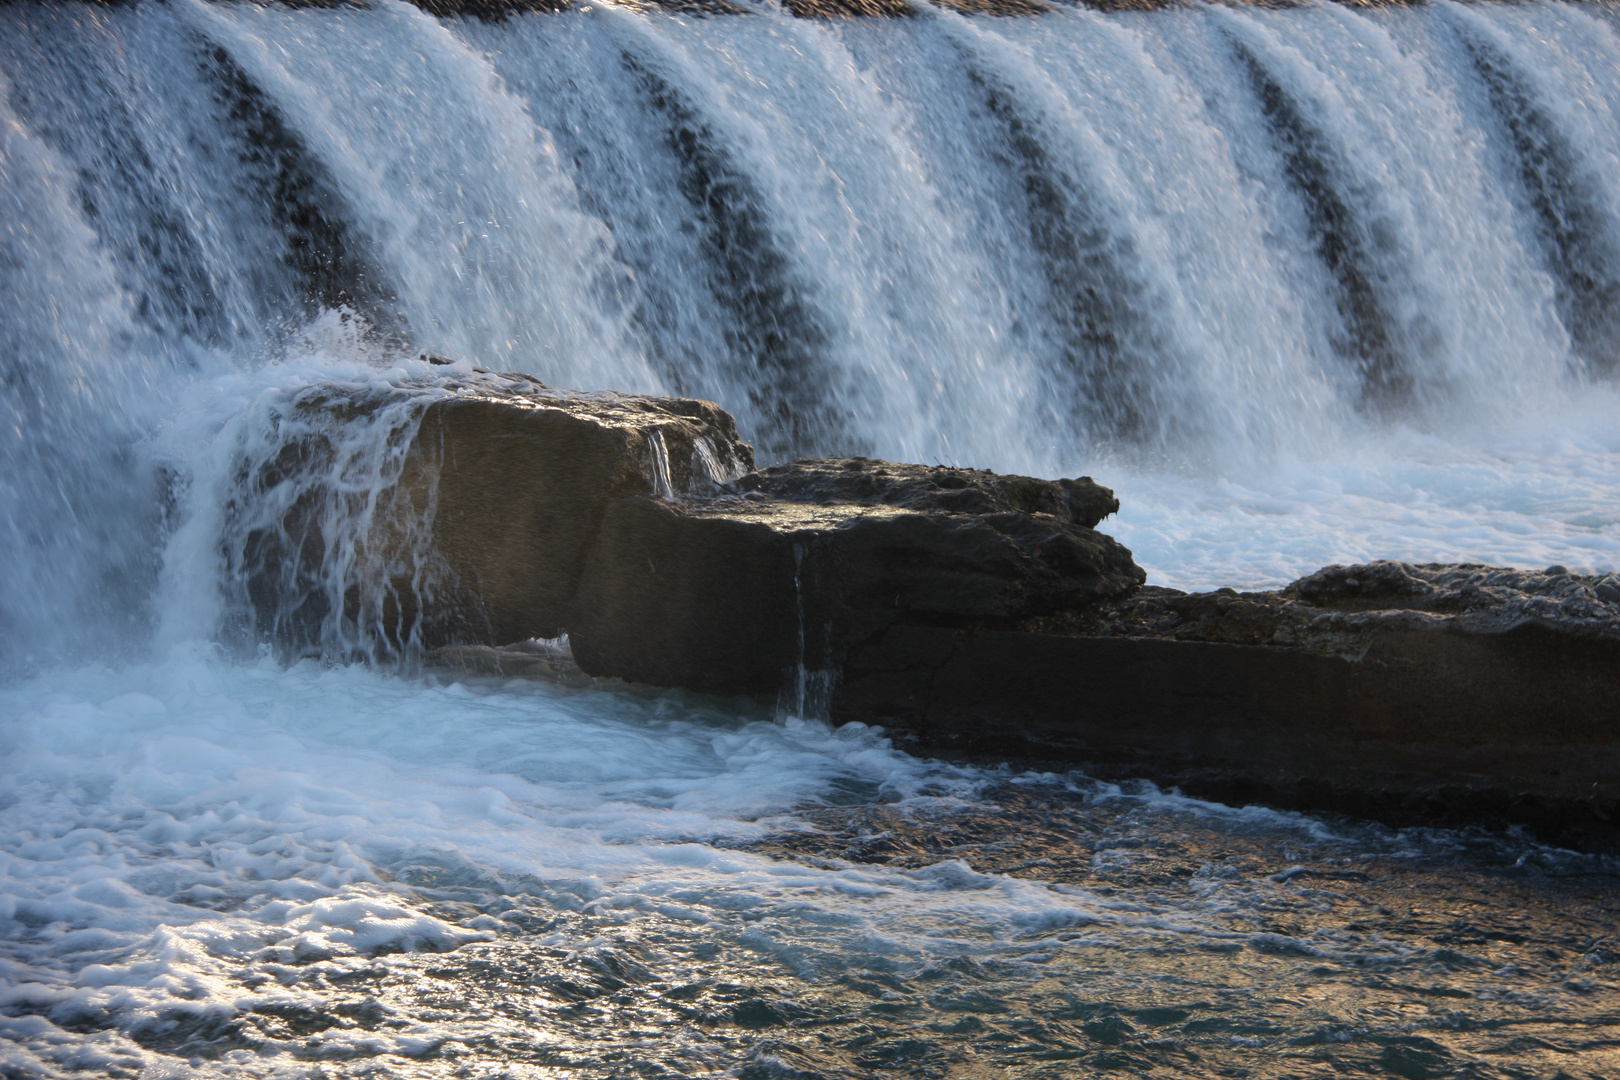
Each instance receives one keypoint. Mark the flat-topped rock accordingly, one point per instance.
(931, 489)
(499, 487)
(791, 567)
(1340, 610)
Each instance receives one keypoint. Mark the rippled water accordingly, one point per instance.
(240, 870)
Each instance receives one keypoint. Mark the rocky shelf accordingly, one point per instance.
(967, 612)
(1446, 695)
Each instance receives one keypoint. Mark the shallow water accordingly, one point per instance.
(224, 869)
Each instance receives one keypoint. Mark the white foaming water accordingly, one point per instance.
(843, 233)
(181, 839)
(465, 201)
(1219, 368)
(1531, 493)
(1472, 338)
(70, 364)
(223, 431)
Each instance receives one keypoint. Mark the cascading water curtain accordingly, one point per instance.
(1211, 241)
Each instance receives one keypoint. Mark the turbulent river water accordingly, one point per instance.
(1303, 285)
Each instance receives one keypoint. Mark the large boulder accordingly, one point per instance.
(788, 568)
(637, 527)
(389, 517)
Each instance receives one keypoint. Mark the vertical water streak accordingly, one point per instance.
(776, 334)
(786, 368)
(327, 521)
(83, 93)
(807, 691)
(847, 300)
(1131, 382)
(570, 73)
(327, 265)
(462, 197)
(1234, 313)
(1566, 161)
(925, 321)
(79, 515)
(1349, 232)
(1015, 409)
(1413, 221)
(223, 229)
(1353, 255)
(658, 453)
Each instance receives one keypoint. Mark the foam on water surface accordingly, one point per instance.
(288, 870)
(182, 839)
(1536, 490)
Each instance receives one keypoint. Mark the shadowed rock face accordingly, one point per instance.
(966, 612)
(635, 526)
(790, 567)
(1341, 611)
(1438, 694)
(524, 481)
(483, 531)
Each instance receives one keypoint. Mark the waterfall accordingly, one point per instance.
(1303, 285)
(1560, 153)
(1210, 242)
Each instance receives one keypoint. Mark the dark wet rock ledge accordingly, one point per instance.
(969, 613)
(1445, 695)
